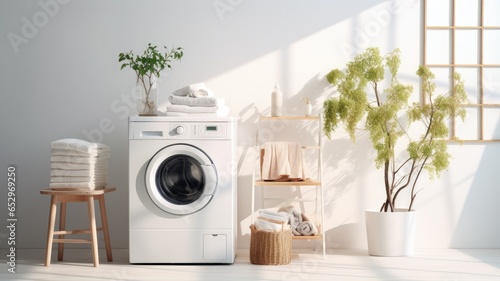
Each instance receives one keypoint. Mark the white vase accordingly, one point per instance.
(147, 96)
(391, 234)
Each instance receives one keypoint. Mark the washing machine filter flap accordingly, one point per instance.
(181, 179)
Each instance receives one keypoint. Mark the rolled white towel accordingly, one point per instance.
(201, 101)
(307, 228)
(194, 90)
(91, 148)
(295, 218)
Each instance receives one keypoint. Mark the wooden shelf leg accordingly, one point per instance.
(50, 231)
(62, 226)
(105, 229)
(93, 230)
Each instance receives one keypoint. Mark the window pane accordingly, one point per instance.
(438, 12)
(491, 85)
(469, 129)
(466, 47)
(491, 9)
(491, 47)
(467, 13)
(470, 75)
(442, 80)
(438, 47)
(491, 123)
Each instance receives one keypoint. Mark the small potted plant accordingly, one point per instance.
(148, 67)
(388, 116)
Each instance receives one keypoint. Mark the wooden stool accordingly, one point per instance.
(77, 195)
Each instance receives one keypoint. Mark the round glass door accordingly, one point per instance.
(181, 179)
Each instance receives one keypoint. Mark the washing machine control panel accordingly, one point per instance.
(210, 130)
(207, 130)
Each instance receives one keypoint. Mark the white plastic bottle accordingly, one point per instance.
(276, 102)
(308, 108)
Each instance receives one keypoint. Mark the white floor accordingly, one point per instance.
(442, 264)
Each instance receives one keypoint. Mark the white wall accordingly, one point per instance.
(61, 78)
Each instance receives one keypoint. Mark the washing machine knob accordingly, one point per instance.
(179, 130)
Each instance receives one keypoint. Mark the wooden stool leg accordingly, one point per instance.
(62, 226)
(93, 230)
(50, 231)
(105, 229)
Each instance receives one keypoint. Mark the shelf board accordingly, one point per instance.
(315, 237)
(289, 117)
(288, 199)
(287, 183)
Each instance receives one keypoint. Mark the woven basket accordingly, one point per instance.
(270, 248)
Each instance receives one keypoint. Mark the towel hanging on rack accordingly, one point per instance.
(282, 160)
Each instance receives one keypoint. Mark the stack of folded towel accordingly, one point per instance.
(195, 100)
(272, 221)
(80, 164)
(286, 218)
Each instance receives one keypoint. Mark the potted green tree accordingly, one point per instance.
(388, 116)
(147, 68)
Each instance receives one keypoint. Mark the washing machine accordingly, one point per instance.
(182, 189)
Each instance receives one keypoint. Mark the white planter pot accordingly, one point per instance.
(391, 234)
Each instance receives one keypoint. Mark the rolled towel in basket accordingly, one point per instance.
(307, 228)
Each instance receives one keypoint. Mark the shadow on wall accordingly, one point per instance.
(280, 24)
(343, 164)
(478, 225)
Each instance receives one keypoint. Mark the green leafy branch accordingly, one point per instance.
(150, 64)
(382, 118)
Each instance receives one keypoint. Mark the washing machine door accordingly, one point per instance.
(181, 179)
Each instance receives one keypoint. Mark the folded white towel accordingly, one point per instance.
(201, 101)
(79, 179)
(267, 225)
(78, 159)
(281, 217)
(194, 90)
(282, 159)
(91, 148)
(82, 185)
(71, 152)
(78, 173)
(78, 166)
(191, 109)
(187, 115)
